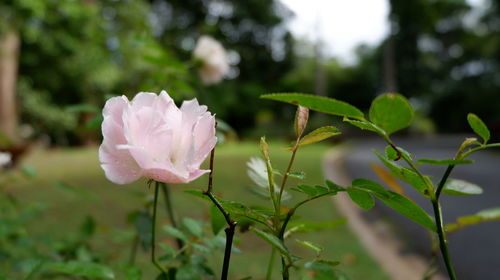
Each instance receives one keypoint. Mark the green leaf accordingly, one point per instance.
(318, 135)
(487, 215)
(29, 171)
(366, 125)
(274, 241)
(143, 222)
(298, 175)
(322, 270)
(188, 272)
(461, 187)
(391, 153)
(217, 220)
(193, 226)
(479, 127)
(84, 269)
(404, 174)
(309, 190)
(361, 198)
(334, 187)
(310, 245)
(307, 226)
(444, 161)
(175, 233)
(398, 203)
(318, 103)
(391, 112)
(132, 273)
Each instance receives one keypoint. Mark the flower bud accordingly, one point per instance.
(301, 117)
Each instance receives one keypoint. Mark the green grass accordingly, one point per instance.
(109, 204)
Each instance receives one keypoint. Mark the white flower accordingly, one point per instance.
(214, 60)
(257, 171)
(5, 159)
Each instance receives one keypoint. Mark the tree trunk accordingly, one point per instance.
(9, 52)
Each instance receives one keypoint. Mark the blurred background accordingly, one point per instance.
(61, 59)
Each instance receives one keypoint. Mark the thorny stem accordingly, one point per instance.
(231, 224)
(170, 211)
(153, 231)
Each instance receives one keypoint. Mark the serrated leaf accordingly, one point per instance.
(444, 161)
(398, 203)
(361, 198)
(274, 241)
(405, 174)
(391, 112)
(318, 135)
(217, 220)
(318, 103)
(366, 125)
(461, 187)
(193, 226)
(479, 127)
(310, 245)
(175, 233)
(84, 269)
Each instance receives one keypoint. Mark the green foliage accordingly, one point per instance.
(397, 202)
(84, 269)
(487, 215)
(461, 187)
(361, 198)
(318, 135)
(405, 174)
(391, 112)
(322, 270)
(274, 241)
(479, 127)
(318, 103)
(217, 220)
(444, 161)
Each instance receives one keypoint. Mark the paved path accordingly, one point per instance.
(475, 250)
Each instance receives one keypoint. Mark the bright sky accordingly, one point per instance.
(342, 24)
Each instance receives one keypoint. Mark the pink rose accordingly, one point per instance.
(150, 137)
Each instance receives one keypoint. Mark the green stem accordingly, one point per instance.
(285, 176)
(153, 231)
(438, 215)
(443, 242)
(482, 147)
(270, 265)
(170, 211)
(231, 224)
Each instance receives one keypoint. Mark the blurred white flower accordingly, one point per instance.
(214, 60)
(257, 171)
(5, 159)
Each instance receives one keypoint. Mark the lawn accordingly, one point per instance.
(89, 193)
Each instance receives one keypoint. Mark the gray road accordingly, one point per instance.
(475, 250)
